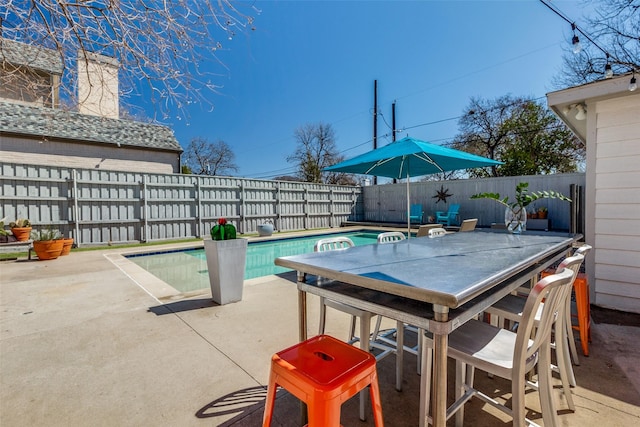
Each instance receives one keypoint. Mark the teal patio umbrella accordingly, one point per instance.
(409, 157)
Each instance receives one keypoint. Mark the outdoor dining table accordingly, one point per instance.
(432, 283)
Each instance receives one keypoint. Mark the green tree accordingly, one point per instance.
(520, 132)
(615, 26)
(316, 150)
(204, 157)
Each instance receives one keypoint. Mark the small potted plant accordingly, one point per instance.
(515, 216)
(3, 233)
(226, 258)
(47, 244)
(66, 246)
(21, 229)
(543, 212)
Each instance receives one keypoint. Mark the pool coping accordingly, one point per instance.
(164, 292)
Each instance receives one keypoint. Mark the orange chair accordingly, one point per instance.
(583, 310)
(323, 372)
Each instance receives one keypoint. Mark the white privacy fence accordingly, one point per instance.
(100, 207)
(388, 203)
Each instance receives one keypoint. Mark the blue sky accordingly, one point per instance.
(316, 61)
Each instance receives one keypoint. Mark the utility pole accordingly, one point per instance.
(393, 120)
(393, 127)
(375, 121)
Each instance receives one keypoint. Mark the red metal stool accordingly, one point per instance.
(583, 310)
(323, 372)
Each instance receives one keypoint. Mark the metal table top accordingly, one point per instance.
(449, 270)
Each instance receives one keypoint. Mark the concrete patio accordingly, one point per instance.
(84, 341)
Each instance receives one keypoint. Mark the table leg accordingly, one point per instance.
(439, 386)
(302, 315)
(302, 309)
(302, 332)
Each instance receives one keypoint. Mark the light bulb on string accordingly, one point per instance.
(608, 72)
(575, 41)
(632, 83)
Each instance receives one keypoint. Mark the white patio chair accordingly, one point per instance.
(507, 354)
(437, 232)
(390, 237)
(387, 337)
(512, 306)
(342, 243)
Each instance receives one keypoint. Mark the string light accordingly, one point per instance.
(632, 83)
(608, 72)
(575, 41)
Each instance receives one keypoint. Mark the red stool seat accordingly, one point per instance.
(323, 372)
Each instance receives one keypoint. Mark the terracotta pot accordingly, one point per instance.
(66, 246)
(542, 214)
(48, 249)
(21, 233)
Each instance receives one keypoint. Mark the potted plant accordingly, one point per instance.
(67, 244)
(515, 216)
(265, 229)
(47, 244)
(3, 233)
(542, 212)
(226, 257)
(21, 229)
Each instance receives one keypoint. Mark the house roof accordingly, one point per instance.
(55, 123)
(35, 57)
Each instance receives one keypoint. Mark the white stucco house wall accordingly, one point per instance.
(606, 116)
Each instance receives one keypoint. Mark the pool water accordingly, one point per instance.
(186, 270)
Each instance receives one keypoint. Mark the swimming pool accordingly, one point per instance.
(186, 269)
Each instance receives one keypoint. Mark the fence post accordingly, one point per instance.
(306, 208)
(278, 206)
(331, 208)
(242, 207)
(76, 217)
(145, 210)
(199, 229)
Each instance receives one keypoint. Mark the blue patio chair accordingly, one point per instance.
(415, 214)
(450, 217)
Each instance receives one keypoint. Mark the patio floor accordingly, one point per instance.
(85, 342)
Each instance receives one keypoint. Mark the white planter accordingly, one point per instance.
(265, 230)
(226, 261)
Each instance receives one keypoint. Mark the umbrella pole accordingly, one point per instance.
(408, 210)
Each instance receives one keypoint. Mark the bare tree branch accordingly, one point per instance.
(166, 45)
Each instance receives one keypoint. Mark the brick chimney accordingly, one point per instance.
(98, 85)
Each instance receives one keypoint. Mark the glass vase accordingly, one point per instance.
(515, 219)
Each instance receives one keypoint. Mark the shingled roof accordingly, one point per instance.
(54, 123)
(35, 57)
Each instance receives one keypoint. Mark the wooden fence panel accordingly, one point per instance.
(100, 207)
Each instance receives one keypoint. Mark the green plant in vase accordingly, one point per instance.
(223, 231)
(515, 216)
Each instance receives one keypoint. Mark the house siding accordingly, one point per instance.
(616, 214)
(87, 156)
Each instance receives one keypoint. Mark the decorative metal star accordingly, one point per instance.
(442, 194)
